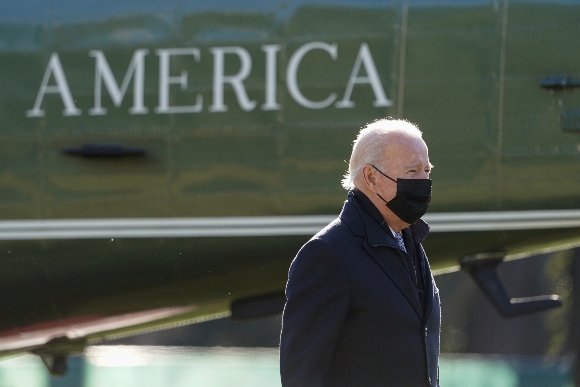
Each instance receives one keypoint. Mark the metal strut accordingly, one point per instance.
(56, 364)
(483, 269)
(55, 352)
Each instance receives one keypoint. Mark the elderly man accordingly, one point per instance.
(362, 308)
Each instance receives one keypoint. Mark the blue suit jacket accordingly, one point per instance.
(352, 314)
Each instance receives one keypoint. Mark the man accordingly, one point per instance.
(362, 308)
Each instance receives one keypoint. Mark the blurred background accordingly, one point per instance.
(479, 347)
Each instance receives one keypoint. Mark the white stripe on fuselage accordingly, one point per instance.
(268, 225)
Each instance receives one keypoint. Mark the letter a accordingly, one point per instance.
(364, 57)
(61, 87)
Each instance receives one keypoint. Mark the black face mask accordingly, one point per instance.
(412, 199)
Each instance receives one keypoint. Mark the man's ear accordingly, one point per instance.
(369, 177)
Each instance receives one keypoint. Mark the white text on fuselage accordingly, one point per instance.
(54, 81)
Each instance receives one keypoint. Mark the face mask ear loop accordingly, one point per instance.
(386, 202)
(387, 176)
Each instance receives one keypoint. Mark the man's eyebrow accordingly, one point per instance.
(416, 165)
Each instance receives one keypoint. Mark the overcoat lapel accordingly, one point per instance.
(417, 232)
(415, 255)
(382, 249)
(395, 269)
(429, 288)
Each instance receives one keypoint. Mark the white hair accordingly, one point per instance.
(369, 146)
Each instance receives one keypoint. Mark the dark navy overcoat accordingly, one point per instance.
(352, 314)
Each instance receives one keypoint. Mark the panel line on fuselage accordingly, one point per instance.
(268, 225)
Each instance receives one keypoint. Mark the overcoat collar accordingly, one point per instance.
(362, 224)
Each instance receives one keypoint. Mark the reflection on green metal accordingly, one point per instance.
(24, 370)
(154, 366)
(478, 373)
(144, 366)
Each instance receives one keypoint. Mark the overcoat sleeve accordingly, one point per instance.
(317, 302)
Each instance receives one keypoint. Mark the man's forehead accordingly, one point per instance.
(406, 158)
(406, 151)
